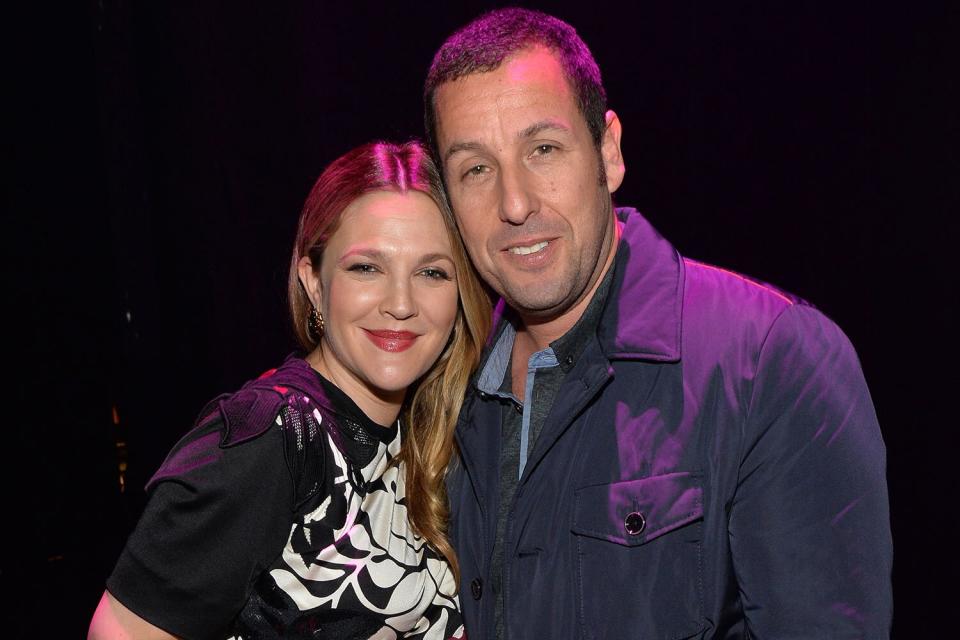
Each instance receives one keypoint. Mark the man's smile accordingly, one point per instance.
(527, 250)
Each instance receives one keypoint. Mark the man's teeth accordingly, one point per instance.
(525, 251)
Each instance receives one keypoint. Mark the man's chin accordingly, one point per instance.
(541, 308)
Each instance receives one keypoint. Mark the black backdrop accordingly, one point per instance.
(158, 154)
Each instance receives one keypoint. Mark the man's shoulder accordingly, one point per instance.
(744, 291)
(652, 257)
(719, 302)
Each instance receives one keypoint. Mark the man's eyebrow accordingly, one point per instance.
(543, 125)
(529, 132)
(457, 147)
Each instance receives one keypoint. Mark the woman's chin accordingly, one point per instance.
(389, 385)
(390, 388)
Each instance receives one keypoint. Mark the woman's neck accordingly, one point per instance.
(381, 407)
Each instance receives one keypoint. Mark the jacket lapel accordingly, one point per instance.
(580, 386)
(478, 436)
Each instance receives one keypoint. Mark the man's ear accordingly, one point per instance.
(309, 280)
(610, 152)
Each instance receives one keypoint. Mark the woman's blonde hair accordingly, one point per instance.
(433, 402)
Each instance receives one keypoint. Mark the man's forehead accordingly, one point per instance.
(533, 62)
(531, 76)
(530, 64)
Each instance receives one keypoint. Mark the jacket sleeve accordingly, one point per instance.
(809, 524)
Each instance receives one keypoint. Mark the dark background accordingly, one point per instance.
(158, 154)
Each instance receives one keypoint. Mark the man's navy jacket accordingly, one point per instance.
(712, 468)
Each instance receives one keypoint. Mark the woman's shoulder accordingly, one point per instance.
(264, 402)
(317, 421)
(274, 404)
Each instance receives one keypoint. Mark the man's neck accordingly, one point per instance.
(533, 337)
(536, 334)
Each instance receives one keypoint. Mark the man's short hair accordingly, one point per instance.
(485, 43)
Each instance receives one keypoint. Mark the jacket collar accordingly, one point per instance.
(642, 316)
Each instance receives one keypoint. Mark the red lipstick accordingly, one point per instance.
(392, 341)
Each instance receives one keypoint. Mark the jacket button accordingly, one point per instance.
(634, 523)
(476, 588)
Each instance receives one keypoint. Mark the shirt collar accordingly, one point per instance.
(497, 364)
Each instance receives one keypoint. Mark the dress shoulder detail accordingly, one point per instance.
(249, 413)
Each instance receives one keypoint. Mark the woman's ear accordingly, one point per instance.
(310, 280)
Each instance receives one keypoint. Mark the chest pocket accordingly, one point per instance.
(639, 571)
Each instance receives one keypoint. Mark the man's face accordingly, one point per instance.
(523, 175)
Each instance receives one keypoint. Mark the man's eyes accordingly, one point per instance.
(476, 171)
(543, 149)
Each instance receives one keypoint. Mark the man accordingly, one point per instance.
(654, 447)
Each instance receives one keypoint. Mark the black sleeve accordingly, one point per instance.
(217, 516)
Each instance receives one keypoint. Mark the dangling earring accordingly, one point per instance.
(315, 324)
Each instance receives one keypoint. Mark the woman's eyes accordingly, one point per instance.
(362, 267)
(435, 273)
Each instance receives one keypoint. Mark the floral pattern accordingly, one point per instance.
(352, 567)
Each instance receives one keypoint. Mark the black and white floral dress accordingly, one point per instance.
(282, 515)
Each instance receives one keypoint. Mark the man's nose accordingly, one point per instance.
(518, 201)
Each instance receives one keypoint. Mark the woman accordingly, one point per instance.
(291, 509)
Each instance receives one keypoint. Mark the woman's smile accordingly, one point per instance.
(392, 341)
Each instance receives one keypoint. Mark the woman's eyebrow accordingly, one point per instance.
(377, 254)
(367, 252)
(430, 257)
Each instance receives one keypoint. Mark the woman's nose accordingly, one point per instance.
(398, 301)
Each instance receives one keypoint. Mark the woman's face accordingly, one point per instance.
(387, 289)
